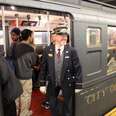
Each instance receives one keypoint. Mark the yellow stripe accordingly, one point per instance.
(111, 113)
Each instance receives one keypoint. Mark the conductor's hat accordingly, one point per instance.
(60, 31)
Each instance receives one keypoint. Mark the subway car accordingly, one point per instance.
(92, 29)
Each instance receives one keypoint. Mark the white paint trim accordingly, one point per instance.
(3, 27)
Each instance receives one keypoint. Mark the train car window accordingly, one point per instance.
(1, 37)
(41, 37)
(42, 22)
(93, 37)
(111, 54)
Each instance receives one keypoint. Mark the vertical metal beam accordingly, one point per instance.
(3, 27)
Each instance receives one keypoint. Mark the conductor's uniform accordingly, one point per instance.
(61, 75)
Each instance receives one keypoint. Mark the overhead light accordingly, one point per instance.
(13, 7)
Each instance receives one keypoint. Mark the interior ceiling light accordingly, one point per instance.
(13, 7)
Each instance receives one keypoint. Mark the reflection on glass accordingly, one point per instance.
(1, 38)
(2, 42)
(41, 38)
(111, 55)
(93, 37)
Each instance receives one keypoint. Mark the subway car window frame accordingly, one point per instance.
(111, 54)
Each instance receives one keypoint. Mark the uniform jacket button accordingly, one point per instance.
(68, 78)
(73, 77)
(68, 70)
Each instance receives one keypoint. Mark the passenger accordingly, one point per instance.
(37, 67)
(62, 69)
(15, 34)
(25, 60)
(10, 88)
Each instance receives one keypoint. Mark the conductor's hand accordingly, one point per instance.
(43, 89)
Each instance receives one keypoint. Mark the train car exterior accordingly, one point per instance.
(93, 35)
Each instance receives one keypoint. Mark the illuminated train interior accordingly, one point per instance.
(41, 22)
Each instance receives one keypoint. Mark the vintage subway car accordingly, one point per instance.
(92, 28)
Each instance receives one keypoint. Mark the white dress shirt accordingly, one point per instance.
(61, 49)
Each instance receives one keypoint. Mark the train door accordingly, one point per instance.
(91, 45)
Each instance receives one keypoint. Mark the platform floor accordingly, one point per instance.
(37, 98)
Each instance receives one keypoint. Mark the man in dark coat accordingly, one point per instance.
(61, 68)
(15, 34)
(7, 107)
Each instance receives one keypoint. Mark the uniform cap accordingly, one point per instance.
(60, 31)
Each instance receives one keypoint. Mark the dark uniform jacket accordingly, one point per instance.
(71, 68)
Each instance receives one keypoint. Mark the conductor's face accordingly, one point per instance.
(58, 38)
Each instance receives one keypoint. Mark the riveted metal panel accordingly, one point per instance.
(96, 100)
(93, 60)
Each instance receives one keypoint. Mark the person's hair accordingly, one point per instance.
(16, 31)
(68, 38)
(25, 34)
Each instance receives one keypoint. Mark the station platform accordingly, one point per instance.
(38, 98)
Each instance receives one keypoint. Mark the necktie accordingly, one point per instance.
(58, 55)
